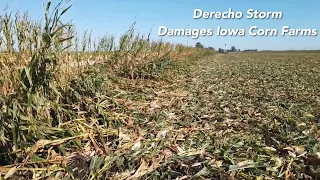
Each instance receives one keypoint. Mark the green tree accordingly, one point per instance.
(199, 45)
(233, 49)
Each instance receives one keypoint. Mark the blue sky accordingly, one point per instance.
(114, 17)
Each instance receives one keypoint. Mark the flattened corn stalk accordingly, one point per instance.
(43, 102)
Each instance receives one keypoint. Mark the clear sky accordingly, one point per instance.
(115, 17)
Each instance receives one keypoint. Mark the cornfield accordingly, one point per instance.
(78, 107)
(60, 106)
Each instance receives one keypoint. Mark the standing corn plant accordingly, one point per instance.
(39, 72)
(7, 31)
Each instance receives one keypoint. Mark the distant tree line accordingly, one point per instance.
(211, 48)
(199, 45)
(233, 49)
(221, 50)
